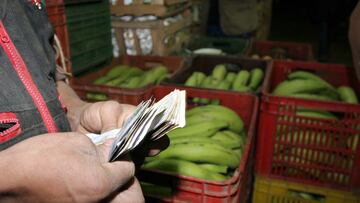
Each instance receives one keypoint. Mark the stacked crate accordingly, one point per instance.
(159, 27)
(306, 157)
(88, 23)
(236, 188)
(56, 14)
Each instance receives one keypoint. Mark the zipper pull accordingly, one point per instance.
(38, 4)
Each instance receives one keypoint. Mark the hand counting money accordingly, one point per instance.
(150, 120)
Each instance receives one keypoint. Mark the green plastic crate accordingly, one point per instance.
(89, 28)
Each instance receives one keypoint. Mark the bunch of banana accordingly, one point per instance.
(303, 143)
(303, 84)
(221, 79)
(209, 146)
(132, 77)
(124, 76)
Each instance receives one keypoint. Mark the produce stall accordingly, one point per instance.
(266, 120)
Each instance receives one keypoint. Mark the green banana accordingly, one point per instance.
(212, 83)
(315, 156)
(209, 112)
(223, 85)
(131, 82)
(347, 94)
(195, 79)
(215, 168)
(161, 78)
(97, 96)
(219, 72)
(230, 77)
(238, 152)
(183, 167)
(330, 93)
(112, 74)
(129, 73)
(191, 139)
(306, 137)
(152, 75)
(102, 80)
(204, 129)
(290, 87)
(191, 81)
(242, 89)
(256, 77)
(315, 113)
(200, 76)
(353, 142)
(307, 196)
(241, 79)
(307, 75)
(206, 83)
(311, 96)
(229, 139)
(202, 153)
(214, 102)
(117, 70)
(217, 84)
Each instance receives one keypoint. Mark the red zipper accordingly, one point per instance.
(25, 77)
(14, 130)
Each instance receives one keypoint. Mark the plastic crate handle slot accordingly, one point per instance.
(312, 197)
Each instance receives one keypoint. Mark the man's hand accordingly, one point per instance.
(65, 167)
(105, 116)
(101, 117)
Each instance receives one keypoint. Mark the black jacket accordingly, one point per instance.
(29, 102)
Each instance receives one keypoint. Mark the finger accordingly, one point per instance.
(155, 147)
(109, 114)
(120, 172)
(131, 194)
(90, 120)
(114, 114)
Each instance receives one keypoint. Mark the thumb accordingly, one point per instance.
(120, 172)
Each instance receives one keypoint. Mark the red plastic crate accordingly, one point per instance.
(189, 189)
(56, 13)
(206, 64)
(294, 50)
(329, 155)
(84, 84)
